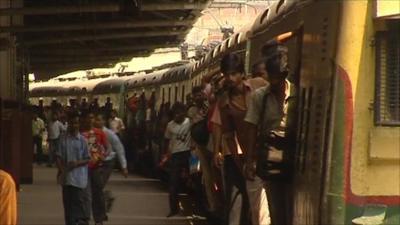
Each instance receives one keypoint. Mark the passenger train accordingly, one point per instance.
(343, 121)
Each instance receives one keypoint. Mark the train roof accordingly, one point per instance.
(82, 86)
(263, 20)
(274, 12)
(47, 91)
(146, 79)
(110, 85)
(178, 73)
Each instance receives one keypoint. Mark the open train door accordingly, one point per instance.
(311, 50)
(313, 139)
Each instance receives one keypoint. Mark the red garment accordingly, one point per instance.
(97, 144)
(133, 103)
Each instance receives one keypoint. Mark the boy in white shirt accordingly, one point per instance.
(177, 134)
(55, 129)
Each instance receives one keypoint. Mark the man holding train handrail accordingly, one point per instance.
(264, 114)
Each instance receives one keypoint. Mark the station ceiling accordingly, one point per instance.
(67, 35)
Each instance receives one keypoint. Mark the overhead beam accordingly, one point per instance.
(97, 8)
(102, 37)
(70, 66)
(56, 10)
(94, 26)
(49, 60)
(45, 73)
(91, 58)
(97, 50)
(168, 6)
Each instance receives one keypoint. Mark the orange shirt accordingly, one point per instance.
(8, 200)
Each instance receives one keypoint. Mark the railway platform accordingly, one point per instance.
(40, 203)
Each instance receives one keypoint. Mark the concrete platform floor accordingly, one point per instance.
(139, 201)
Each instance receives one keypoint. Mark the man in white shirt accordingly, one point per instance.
(177, 134)
(37, 134)
(55, 129)
(116, 150)
(116, 124)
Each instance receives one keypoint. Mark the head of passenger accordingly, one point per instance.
(258, 70)
(198, 95)
(189, 99)
(108, 99)
(99, 121)
(73, 123)
(87, 121)
(276, 63)
(232, 68)
(113, 114)
(179, 112)
(34, 115)
(54, 116)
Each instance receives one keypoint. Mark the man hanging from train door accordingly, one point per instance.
(228, 118)
(265, 114)
(198, 114)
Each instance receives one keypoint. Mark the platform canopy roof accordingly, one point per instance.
(67, 35)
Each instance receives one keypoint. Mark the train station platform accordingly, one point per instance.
(139, 200)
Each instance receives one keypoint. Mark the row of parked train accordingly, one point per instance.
(345, 151)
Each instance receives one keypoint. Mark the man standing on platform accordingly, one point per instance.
(72, 159)
(117, 149)
(116, 123)
(55, 130)
(177, 135)
(99, 151)
(38, 128)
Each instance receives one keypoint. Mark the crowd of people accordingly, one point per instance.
(212, 141)
(84, 144)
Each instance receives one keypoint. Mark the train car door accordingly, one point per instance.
(310, 53)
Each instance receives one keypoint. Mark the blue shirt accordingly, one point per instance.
(73, 148)
(116, 147)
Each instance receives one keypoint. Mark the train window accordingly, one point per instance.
(176, 93)
(237, 40)
(387, 93)
(163, 95)
(183, 93)
(169, 94)
(280, 3)
(263, 17)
